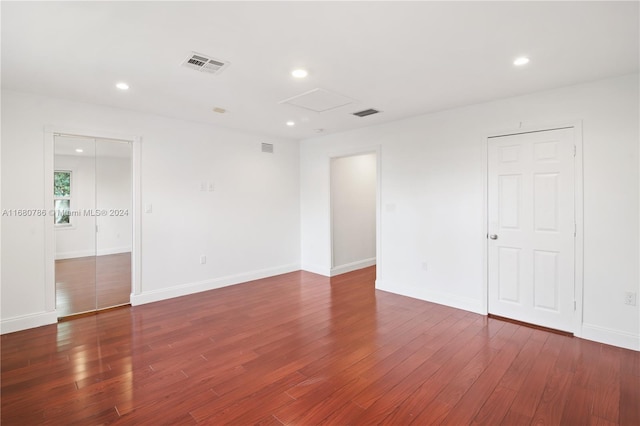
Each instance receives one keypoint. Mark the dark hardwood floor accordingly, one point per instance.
(91, 283)
(303, 349)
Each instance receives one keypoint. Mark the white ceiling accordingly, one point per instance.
(403, 58)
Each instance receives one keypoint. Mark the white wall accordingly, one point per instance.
(353, 209)
(248, 227)
(431, 170)
(113, 196)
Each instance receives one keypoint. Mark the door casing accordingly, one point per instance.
(49, 247)
(578, 212)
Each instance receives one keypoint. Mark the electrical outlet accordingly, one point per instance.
(203, 259)
(425, 266)
(211, 186)
(630, 298)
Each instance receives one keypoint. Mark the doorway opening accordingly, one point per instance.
(354, 211)
(93, 223)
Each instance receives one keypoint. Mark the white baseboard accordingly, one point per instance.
(86, 253)
(23, 322)
(199, 286)
(114, 250)
(447, 299)
(353, 266)
(320, 270)
(75, 254)
(610, 337)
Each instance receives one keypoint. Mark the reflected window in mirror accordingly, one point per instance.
(62, 197)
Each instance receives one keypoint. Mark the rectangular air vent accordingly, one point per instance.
(366, 112)
(204, 63)
(267, 147)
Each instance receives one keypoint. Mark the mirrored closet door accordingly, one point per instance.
(93, 223)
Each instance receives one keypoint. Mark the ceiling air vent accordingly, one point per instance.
(267, 147)
(204, 63)
(366, 112)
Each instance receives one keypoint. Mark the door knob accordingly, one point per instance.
(493, 236)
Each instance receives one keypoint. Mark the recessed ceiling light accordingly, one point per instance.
(291, 123)
(122, 86)
(219, 110)
(79, 150)
(299, 73)
(523, 60)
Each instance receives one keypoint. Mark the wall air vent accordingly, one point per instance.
(204, 63)
(267, 147)
(366, 112)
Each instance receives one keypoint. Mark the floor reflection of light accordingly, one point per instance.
(62, 335)
(79, 365)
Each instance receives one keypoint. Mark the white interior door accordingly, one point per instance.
(531, 227)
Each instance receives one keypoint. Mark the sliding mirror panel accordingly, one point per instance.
(75, 224)
(113, 223)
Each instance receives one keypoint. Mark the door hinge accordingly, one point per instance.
(575, 305)
(575, 229)
(575, 150)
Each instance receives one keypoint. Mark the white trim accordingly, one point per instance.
(49, 226)
(579, 221)
(49, 244)
(315, 269)
(610, 336)
(530, 128)
(353, 266)
(136, 211)
(23, 322)
(441, 298)
(484, 302)
(113, 250)
(200, 286)
(75, 254)
(578, 212)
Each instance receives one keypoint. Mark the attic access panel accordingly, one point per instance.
(318, 100)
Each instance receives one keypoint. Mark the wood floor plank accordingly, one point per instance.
(416, 403)
(529, 395)
(304, 349)
(495, 406)
(472, 400)
(314, 407)
(553, 398)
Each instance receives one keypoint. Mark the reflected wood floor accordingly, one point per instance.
(303, 349)
(93, 282)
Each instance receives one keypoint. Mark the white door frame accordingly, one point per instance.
(349, 153)
(578, 211)
(49, 230)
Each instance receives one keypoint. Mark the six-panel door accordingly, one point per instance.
(531, 227)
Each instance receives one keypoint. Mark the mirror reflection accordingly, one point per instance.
(93, 223)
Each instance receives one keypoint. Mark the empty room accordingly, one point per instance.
(320, 213)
